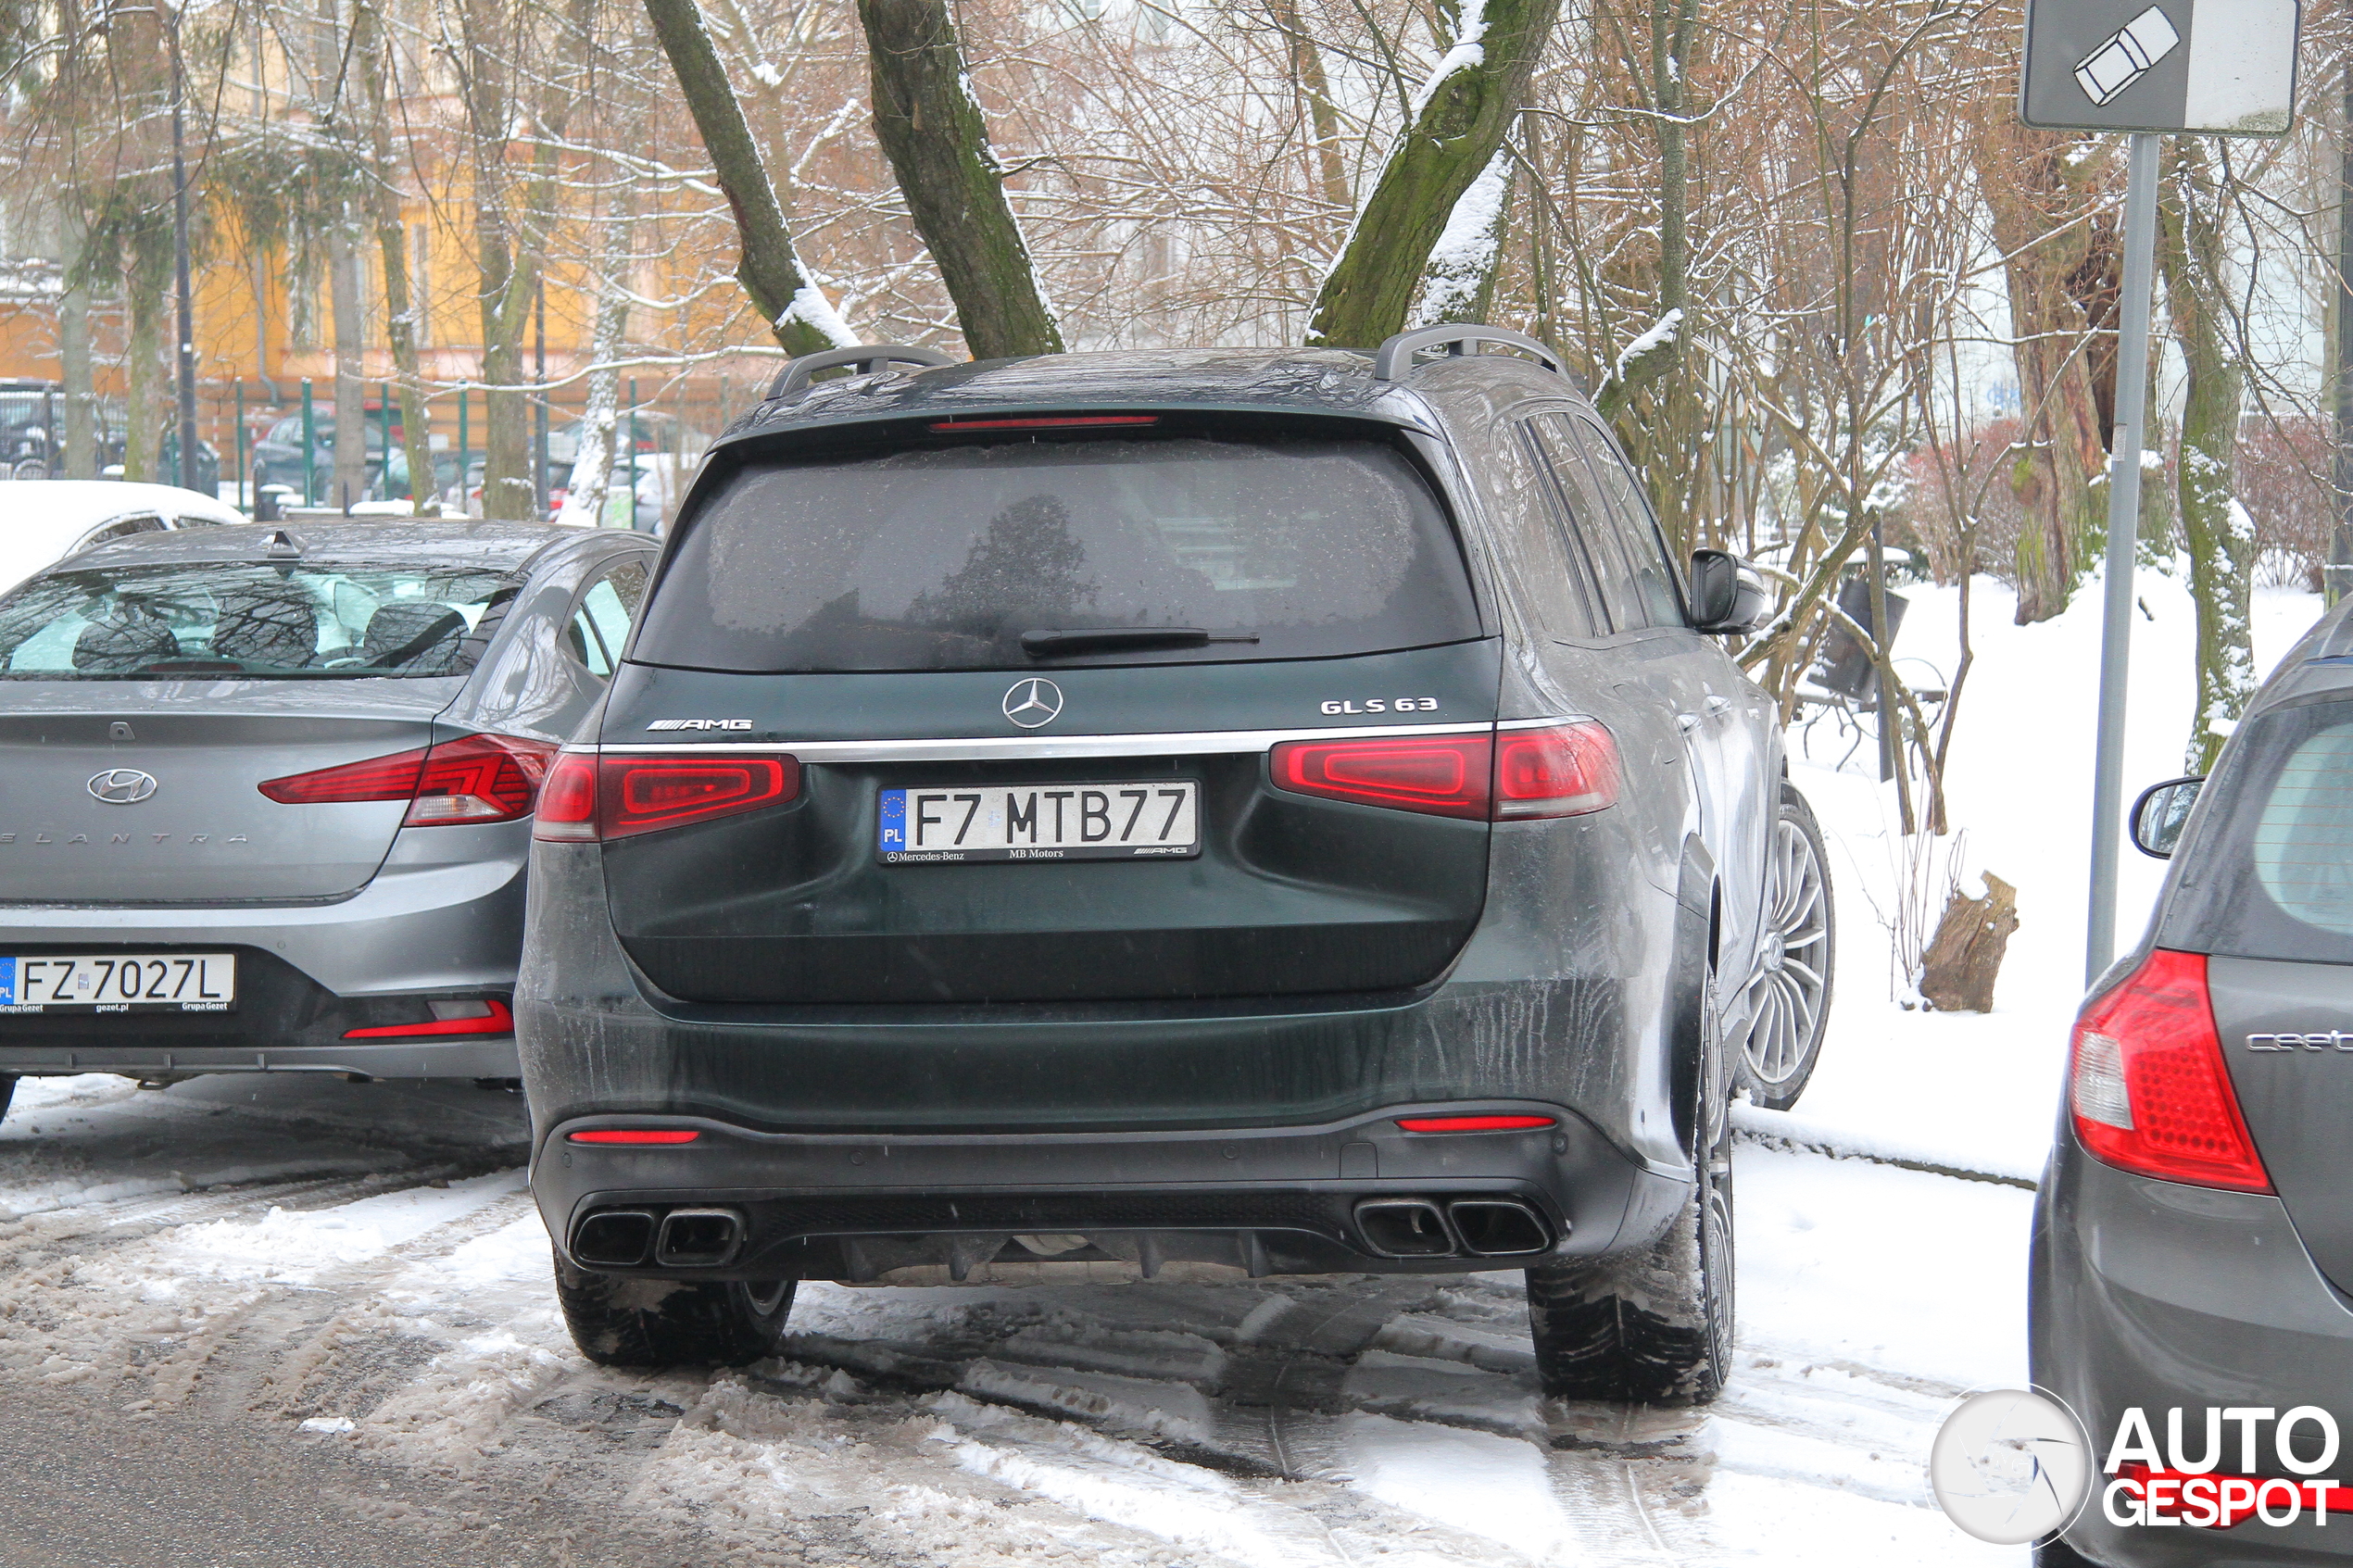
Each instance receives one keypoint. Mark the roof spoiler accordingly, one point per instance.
(1394, 358)
(863, 359)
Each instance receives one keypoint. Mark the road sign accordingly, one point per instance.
(2211, 67)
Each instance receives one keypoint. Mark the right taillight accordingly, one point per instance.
(589, 799)
(2148, 1087)
(1558, 770)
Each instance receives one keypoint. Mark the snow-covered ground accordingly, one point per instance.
(358, 1265)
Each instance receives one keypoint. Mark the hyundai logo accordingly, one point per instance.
(1030, 703)
(123, 786)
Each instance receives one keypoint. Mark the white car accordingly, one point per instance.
(46, 521)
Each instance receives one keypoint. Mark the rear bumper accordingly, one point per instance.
(922, 1208)
(2151, 1294)
(443, 917)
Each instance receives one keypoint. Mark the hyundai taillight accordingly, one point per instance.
(1558, 770)
(2148, 1088)
(1475, 1123)
(489, 1016)
(590, 798)
(473, 779)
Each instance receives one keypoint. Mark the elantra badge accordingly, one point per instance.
(121, 787)
(1034, 702)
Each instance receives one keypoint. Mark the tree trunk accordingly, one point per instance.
(1959, 969)
(933, 133)
(344, 275)
(797, 312)
(592, 465)
(403, 310)
(143, 404)
(73, 350)
(2037, 184)
(1459, 282)
(2191, 253)
(506, 282)
(1671, 27)
(1457, 125)
(1316, 95)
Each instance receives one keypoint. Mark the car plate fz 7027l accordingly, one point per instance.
(119, 983)
(1154, 820)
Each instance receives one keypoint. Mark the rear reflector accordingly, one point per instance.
(1473, 1123)
(1066, 421)
(2148, 1088)
(590, 798)
(1561, 770)
(634, 1135)
(472, 779)
(494, 1019)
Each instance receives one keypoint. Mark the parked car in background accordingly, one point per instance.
(268, 793)
(32, 438)
(2192, 1245)
(1183, 815)
(277, 457)
(47, 521)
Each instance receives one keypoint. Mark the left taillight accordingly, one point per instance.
(592, 798)
(2148, 1087)
(474, 779)
(1555, 771)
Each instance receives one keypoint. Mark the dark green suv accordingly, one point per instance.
(1184, 815)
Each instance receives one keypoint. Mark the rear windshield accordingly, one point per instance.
(942, 558)
(246, 621)
(2271, 876)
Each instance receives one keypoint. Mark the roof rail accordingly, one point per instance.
(864, 359)
(1393, 358)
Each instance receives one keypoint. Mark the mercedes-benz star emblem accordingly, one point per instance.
(123, 786)
(1031, 703)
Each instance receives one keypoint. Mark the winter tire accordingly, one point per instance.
(1787, 1000)
(622, 1320)
(1654, 1326)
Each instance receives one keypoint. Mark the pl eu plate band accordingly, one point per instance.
(1187, 743)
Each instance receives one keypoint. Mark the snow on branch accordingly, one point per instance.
(1465, 253)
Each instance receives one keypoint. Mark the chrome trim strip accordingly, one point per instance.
(1184, 742)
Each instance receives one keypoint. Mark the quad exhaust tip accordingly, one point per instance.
(683, 1238)
(1482, 1227)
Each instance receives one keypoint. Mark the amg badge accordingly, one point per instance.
(700, 724)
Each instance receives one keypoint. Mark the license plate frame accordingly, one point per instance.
(94, 984)
(973, 825)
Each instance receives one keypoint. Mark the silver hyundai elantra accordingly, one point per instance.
(266, 793)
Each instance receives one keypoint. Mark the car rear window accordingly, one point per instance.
(941, 558)
(2271, 873)
(249, 621)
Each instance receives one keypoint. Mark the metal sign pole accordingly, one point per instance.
(2132, 308)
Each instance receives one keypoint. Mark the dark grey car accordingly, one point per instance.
(265, 794)
(2193, 1251)
(1186, 815)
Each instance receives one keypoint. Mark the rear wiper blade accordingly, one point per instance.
(1051, 642)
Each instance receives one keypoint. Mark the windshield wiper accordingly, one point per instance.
(1054, 642)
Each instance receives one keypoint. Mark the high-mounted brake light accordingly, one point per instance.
(1063, 421)
(2148, 1087)
(1560, 771)
(495, 1017)
(589, 799)
(634, 1135)
(473, 779)
(1474, 1124)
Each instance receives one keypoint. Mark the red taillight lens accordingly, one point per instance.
(590, 798)
(2148, 1088)
(473, 779)
(1562, 771)
(634, 1135)
(494, 1019)
(1473, 1123)
(1446, 775)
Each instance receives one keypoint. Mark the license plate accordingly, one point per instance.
(1042, 822)
(119, 982)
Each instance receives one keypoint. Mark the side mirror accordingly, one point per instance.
(1728, 596)
(2158, 814)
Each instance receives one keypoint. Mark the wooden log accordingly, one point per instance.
(1957, 970)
